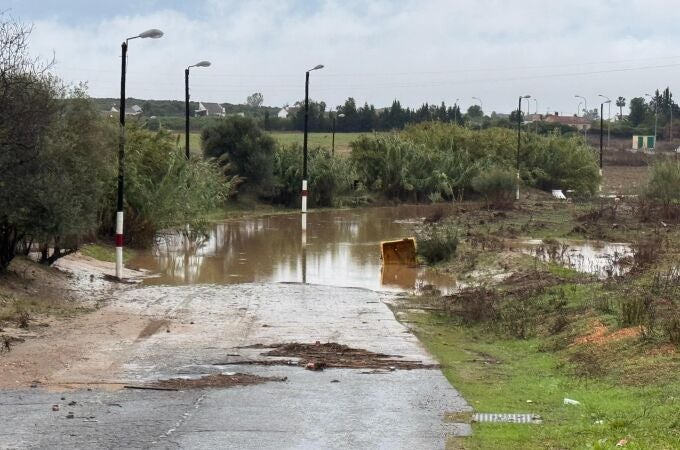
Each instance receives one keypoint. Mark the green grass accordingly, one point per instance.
(342, 140)
(647, 415)
(104, 252)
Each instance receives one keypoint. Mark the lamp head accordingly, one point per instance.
(341, 115)
(152, 33)
(202, 64)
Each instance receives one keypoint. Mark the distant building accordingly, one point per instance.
(530, 118)
(210, 109)
(133, 110)
(573, 121)
(286, 111)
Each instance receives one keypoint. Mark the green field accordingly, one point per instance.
(342, 140)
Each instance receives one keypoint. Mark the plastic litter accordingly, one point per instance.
(568, 401)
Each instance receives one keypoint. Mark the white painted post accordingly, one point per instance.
(304, 196)
(119, 245)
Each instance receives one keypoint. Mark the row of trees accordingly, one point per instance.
(431, 160)
(58, 162)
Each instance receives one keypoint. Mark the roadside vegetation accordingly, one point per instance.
(58, 156)
(529, 331)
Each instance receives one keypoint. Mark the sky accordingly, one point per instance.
(375, 51)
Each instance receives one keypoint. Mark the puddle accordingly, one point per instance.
(603, 259)
(340, 248)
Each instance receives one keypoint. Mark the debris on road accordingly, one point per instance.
(207, 381)
(332, 355)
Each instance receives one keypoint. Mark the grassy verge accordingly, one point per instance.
(105, 252)
(520, 376)
(547, 333)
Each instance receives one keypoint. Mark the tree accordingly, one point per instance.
(593, 114)
(513, 117)
(27, 108)
(255, 100)
(638, 111)
(475, 112)
(243, 149)
(621, 102)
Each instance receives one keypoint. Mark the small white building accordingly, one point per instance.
(210, 109)
(643, 142)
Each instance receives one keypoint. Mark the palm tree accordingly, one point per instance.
(621, 102)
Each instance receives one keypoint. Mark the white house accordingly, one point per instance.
(210, 109)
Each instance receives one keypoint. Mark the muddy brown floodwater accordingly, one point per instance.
(342, 249)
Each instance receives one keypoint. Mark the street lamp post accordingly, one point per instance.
(153, 34)
(656, 106)
(585, 128)
(335, 116)
(481, 107)
(455, 107)
(519, 135)
(186, 103)
(304, 148)
(609, 116)
(602, 132)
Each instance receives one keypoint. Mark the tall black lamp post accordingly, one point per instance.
(186, 96)
(304, 147)
(153, 34)
(519, 136)
(602, 134)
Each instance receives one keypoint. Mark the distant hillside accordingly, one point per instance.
(170, 108)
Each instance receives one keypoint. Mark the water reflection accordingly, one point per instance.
(603, 259)
(339, 248)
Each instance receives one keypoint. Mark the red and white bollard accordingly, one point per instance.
(119, 245)
(304, 205)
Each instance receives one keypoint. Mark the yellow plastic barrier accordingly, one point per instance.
(401, 252)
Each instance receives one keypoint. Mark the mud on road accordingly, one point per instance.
(319, 356)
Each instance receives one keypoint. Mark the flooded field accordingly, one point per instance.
(342, 249)
(603, 259)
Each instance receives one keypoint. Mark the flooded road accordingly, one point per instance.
(342, 249)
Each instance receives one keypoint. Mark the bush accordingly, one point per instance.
(436, 244)
(328, 176)
(165, 190)
(546, 162)
(664, 183)
(497, 186)
(244, 150)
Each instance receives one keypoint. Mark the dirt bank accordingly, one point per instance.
(52, 318)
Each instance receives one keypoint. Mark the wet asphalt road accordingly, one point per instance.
(399, 409)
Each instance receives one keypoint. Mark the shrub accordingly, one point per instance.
(663, 188)
(328, 176)
(244, 149)
(496, 185)
(547, 162)
(436, 244)
(165, 190)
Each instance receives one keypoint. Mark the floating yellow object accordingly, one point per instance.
(401, 252)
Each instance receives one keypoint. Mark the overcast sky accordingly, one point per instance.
(412, 50)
